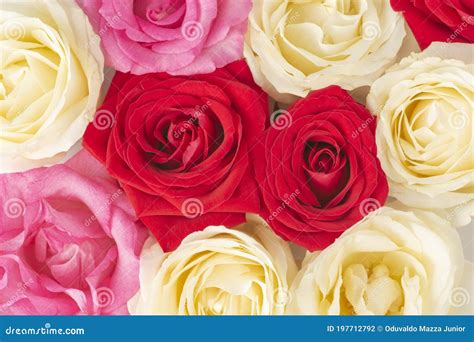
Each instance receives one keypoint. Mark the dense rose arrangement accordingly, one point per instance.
(263, 157)
(182, 147)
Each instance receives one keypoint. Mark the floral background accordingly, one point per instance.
(211, 157)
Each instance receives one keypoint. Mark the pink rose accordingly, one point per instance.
(69, 243)
(180, 37)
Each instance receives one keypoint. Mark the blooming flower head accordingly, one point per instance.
(69, 243)
(51, 73)
(425, 133)
(393, 262)
(180, 37)
(218, 271)
(294, 47)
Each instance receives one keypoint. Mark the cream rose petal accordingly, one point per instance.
(52, 69)
(293, 47)
(425, 106)
(246, 270)
(392, 262)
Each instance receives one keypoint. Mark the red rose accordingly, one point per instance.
(438, 20)
(320, 174)
(181, 147)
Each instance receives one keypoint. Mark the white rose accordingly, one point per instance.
(293, 47)
(218, 271)
(424, 133)
(51, 73)
(392, 262)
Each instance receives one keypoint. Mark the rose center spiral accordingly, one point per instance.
(371, 290)
(325, 169)
(160, 12)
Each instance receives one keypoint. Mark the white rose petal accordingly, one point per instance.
(392, 262)
(217, 271)
(293, 47)
(52, 70)
(424, 133)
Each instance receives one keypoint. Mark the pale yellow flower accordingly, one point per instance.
(293, 47)
(392, 262)
(217, 271)
(424, 133)
(51, 69)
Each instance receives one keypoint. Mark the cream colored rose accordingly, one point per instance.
(393, 262)
(424, 133)
(293, 47)
(50, 76)
(218, 271)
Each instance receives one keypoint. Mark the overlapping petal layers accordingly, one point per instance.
(318, 171)
(393, 262)
(50, 78)
(219, 271)
(293, 47)
(182, 147)
(181, 37)
(69, 242)
(425, 133)
(438, 20)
